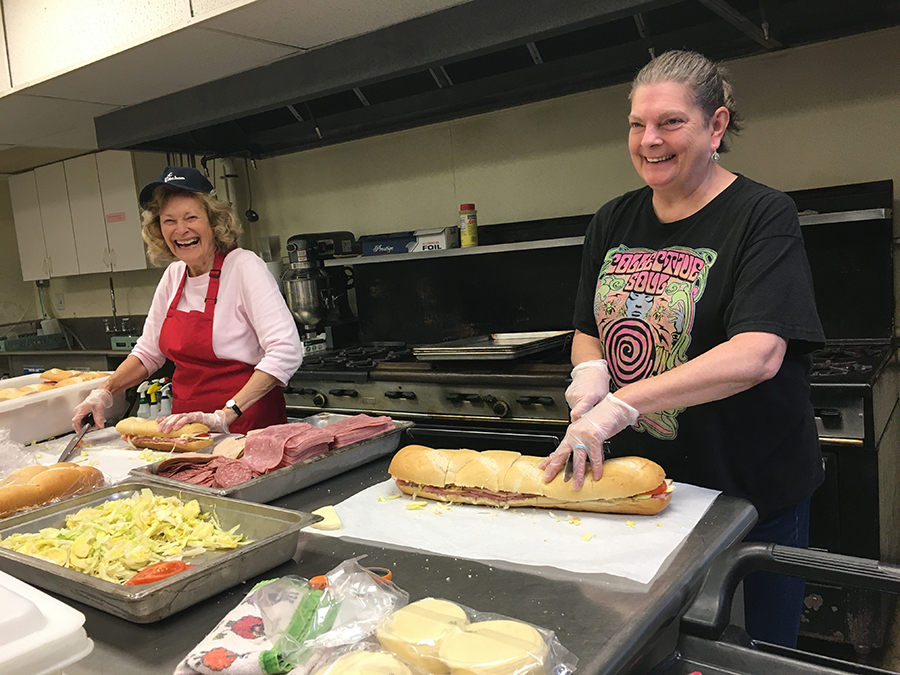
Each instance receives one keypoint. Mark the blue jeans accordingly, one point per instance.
(773, 603)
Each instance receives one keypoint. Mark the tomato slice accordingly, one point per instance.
(157, 571)
(658, 490)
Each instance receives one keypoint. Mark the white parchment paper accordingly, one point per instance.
(633, 547)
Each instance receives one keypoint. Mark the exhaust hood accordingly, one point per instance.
(467, 59)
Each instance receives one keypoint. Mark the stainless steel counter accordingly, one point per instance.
(610, 624)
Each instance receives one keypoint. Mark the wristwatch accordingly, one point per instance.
(230, 403)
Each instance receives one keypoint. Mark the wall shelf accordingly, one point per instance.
(455, 252)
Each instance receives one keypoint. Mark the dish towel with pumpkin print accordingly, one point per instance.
(264, 634)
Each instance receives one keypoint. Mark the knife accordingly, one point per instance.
(87, 422)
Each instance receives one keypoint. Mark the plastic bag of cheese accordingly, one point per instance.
(438, 636)
(287, 625)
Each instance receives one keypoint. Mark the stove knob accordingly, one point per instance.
(455, 398)
(473, 398)
(319, 400)
(500, 408)
(411, 395)
(545, 400)
(349, 393)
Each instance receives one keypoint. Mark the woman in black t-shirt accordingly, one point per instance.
(696, 309)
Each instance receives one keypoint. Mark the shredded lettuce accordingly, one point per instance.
(115, 539)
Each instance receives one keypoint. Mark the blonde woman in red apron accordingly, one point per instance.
(217, 314)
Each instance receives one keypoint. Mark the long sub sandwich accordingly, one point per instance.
(503, 478)
(143, 433)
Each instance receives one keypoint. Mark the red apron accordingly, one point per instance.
(203, 382)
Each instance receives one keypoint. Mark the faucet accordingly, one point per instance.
(116, 328)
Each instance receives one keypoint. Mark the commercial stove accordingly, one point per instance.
(525, 394)
(848, 233)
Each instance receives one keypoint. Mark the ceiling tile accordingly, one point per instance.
(27, 118)
(316, 22)
(18, 159)
(168, 64)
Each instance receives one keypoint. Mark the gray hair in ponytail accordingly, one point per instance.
(707, 81)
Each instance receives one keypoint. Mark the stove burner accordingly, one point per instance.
(361, 358)
(359, 363)
(847, 360)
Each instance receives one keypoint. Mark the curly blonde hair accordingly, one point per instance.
(225, 226)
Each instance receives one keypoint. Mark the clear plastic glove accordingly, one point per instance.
(216, 421)
(95, 402)
(590, 385)
(585, 437)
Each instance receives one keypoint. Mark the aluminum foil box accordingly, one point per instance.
(416, 241)
(47, 414)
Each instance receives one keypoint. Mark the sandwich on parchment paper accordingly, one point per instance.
(504, 478)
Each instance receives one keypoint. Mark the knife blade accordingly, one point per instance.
(87, 422)
(567, 468)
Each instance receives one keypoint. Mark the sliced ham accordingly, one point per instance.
(266, 450)
(358, 428)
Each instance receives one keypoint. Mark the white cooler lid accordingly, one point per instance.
(38, 633)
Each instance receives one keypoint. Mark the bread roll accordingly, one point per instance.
(503, 478)
(23, 475)
(415, 632)
(17, 497)
(75, 379)
(365, 663)
(502, 647)
(37, 388)
(36, 485)
(10, 394)
(144, 433)
(56, 374)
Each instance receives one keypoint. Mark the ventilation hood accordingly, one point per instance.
(470, 58)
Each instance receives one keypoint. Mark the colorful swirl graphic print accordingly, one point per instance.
(630, 350)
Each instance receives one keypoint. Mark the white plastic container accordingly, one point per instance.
(47, 414)
(39, 635)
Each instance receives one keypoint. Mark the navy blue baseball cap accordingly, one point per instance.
(181, 177)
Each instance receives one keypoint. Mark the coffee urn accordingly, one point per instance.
(318, 296)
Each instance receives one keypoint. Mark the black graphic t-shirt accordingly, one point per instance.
(658, 294)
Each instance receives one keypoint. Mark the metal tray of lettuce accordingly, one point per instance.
(274, 534)
(271, 486)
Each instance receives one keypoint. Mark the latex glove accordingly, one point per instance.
(585, 437)
(215, 421)
(95, 402)
(590, 385)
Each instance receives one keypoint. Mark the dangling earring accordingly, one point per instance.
(715, 156)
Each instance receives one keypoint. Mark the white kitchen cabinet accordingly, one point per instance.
(29, 228)
(79, 216)
(119, 193)
(87, 214)
(56, 218)
(105, 215)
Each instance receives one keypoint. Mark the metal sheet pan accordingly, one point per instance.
(271, 486)
(494, 347)
(274, 534)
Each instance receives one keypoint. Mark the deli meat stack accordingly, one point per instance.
(357, 428)
(274, 448)
(285, 444)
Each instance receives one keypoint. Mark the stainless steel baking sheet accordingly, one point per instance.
(274, 534)
(495, 346)
(284, 481)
